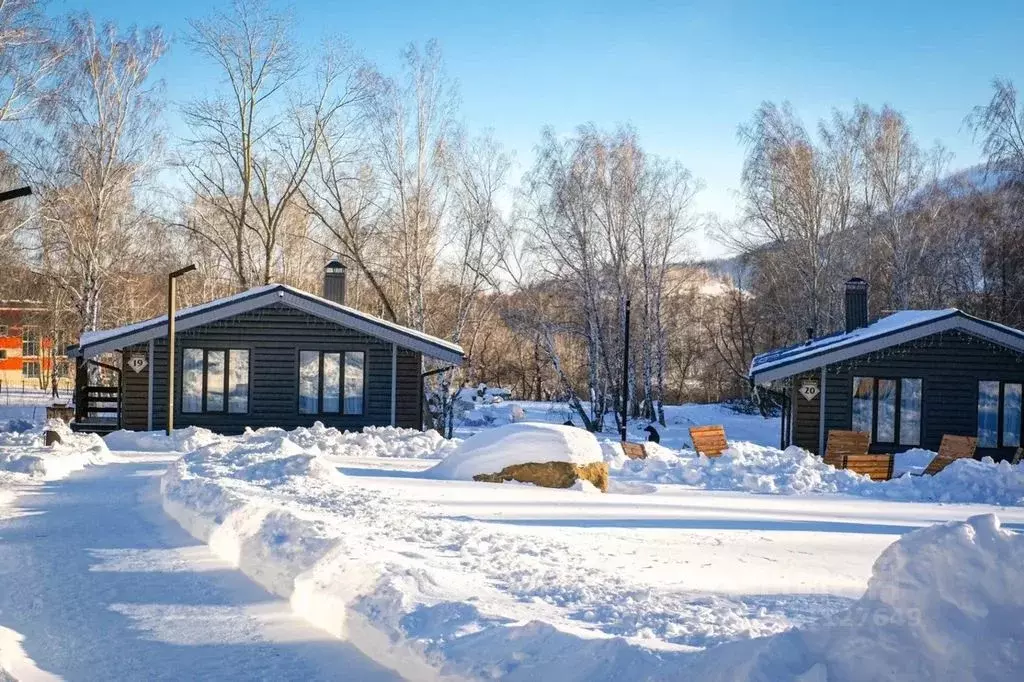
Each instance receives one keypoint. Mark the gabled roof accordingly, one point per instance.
(901, 327)
(93, 343)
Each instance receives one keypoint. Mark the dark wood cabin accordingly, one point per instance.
(270, 356)
(906, 379)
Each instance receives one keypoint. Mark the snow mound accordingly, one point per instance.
(491, 451)
(759, 469)
(24, 453)
(944, 603)
(180, 440)
(743, 466)
(372, 441)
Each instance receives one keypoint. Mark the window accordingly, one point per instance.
(331, 382)
(30, 369)
(29, 342)
(863, 402)
(3, 354)
(3, 330)
(999, 414)
(910, 411)
(885, 431)
(212, 378)
(888, 409)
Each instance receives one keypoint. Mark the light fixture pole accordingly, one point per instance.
(171, 290)
(15, 193)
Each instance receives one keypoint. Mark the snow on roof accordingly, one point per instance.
(230, 304)
(896, 328)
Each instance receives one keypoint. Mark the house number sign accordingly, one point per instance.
(809, 389)
(138, 362)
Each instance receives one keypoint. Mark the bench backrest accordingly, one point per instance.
(709, 439)
(877, 467)
(634, 450)
(843, 443)
(951, 449)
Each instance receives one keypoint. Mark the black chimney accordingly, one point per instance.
(334, 281)
(856, 304)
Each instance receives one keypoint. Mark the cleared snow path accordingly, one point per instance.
(100, 585)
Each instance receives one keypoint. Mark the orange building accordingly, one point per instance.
(26, 359)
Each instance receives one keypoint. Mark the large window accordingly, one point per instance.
(999, 414)
(888, 409)
(215, 380)
(331, 382)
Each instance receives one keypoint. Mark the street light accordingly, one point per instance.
(15, 193)
(171, 288)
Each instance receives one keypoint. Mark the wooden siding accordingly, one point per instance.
(135, 390)
(274, 335)
(806, 414)
(950, 364)
(409, 400)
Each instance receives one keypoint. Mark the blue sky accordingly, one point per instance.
(685, 74)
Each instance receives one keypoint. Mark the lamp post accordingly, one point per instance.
(15, 193)
(171, 290)
(624, 405)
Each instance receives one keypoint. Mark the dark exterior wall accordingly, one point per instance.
(135, 390)
(950, 366)
(274, 336)
(806, 414)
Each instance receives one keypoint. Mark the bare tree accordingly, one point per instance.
(1000, 127)
(250, 148)
(28, 54)
(92, 157)
(410, 126)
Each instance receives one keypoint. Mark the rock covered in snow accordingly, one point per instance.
(492, 451)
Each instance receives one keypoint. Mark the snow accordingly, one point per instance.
(762, 564)
(98, 584)
(761, 469)
(24, 454)
(943, 603)
(491, 451)
(482, 581)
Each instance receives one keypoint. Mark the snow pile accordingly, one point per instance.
(25, 453)
(180, 440)
(431, 594)
(372, 441)
(943, 603)
(743, 466)
(491, 451)
(754, 468)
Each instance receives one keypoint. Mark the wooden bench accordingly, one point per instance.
(951, 449)
(709, 440)
(634, 450)
(876, 467)
(841, 444)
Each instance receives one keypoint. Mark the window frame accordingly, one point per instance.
(226, 410)
(1000, 412)
(30, 334)
(897, 409)
(319, 412)
(25, 364)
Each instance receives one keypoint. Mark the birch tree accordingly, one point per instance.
(92, 158)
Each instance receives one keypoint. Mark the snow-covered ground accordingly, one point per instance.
(759, 565)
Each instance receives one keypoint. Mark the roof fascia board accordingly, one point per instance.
(959, 321)
(158, 328)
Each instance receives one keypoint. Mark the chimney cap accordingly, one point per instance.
(334, 266)
(856, 282)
